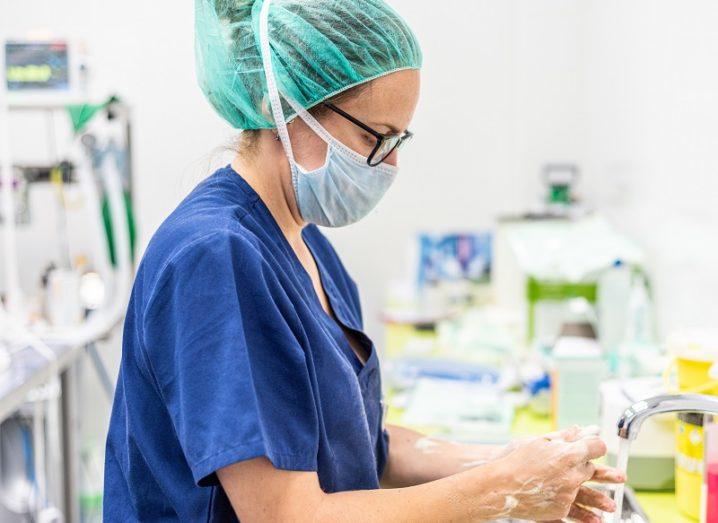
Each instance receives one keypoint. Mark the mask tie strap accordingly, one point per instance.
(276, 104)
(312, 122)
(325, 135)
(274, 99)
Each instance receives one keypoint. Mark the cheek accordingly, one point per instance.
(310, 151)
(359, 143)
(351, 136)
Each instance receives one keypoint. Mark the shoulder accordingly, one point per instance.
(216, 205)
(205, 232)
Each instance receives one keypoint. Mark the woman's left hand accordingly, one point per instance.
(587, 498)
(415, 459)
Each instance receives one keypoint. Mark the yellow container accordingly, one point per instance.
(694, 376)
(689, 464)
(695, 354)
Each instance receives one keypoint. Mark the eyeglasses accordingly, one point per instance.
(385, 143)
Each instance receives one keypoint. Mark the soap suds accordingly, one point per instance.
(426, 445)
(511, 503)
(471, 464)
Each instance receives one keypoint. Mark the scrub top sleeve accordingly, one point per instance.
(219, 334)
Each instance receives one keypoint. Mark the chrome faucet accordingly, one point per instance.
(636, 414)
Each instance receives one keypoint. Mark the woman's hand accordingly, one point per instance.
(543, 479)
(586, 498)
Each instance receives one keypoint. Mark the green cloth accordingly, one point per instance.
(319, 49)
(81, 114)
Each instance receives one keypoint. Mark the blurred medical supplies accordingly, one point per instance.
(639, 324)
(694, 354)
(403, 373)
(540, 265)
(627, 331)
(578, 369)
(410, 324)
(452, 257)
(560, 181)
(45, 72)
(449, 270)
(63, 304)
(614, 288)
(487, 335)
(538, 387)
(448, 275)
(72, 218)
(20, 184)
(17, 483)
(651, 466)
(462, 409)
(552, 304)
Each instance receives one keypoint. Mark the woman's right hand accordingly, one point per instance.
(542, 477)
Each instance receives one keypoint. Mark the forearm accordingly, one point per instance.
(415, 459)
(259, 492)
(467, 496)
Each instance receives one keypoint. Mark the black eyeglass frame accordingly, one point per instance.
(380, 137)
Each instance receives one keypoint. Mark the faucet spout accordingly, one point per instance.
(633, 417)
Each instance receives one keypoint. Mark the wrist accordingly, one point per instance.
(503, 486)
(488, 490)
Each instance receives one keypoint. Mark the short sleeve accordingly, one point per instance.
(220, 338)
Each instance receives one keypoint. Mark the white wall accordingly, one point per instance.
(652, 131)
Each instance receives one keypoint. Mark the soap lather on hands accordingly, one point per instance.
(550, 472)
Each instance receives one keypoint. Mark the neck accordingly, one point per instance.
(268, 173)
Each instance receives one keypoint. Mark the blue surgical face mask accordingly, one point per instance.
(343, 190)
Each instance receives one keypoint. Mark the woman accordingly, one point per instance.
(247, 388)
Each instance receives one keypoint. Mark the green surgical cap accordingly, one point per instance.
(319, 49)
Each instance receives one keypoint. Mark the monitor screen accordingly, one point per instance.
(37, 66)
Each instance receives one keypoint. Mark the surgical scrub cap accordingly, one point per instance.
(319, 49)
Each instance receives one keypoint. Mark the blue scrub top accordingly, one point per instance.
(228, 355)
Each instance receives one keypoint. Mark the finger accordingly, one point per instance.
(589, 431)
(568, 434)
(591, 448)
(592, 498)
(583, 515)
(588, 471)
(606, 474)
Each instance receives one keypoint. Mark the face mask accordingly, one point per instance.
(345, 188)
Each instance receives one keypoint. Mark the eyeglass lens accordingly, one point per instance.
(385, 149)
